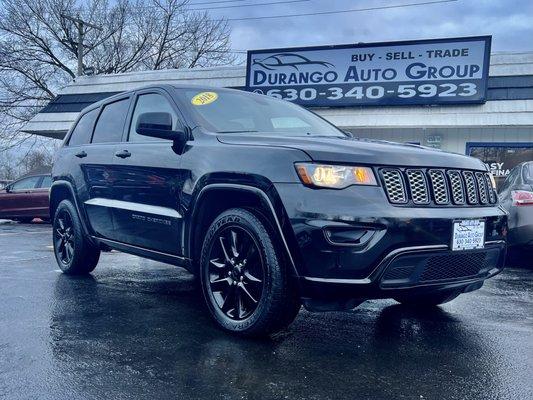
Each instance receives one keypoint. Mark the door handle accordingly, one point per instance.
(123, 154)
(81, 154)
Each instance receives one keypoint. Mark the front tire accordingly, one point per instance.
(75, 255)
(246, 284)
(427, 300)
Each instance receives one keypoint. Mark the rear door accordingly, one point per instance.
(94, 181)
(148, 181)
(41, 197)
(17, 201)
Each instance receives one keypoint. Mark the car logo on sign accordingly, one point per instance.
(287, 60)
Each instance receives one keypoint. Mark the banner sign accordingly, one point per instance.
(440, 71)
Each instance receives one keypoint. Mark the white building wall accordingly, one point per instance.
(453, 140)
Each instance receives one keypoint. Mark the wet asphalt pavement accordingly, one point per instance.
(137, 329)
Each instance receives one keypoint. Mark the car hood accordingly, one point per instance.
(353, 150)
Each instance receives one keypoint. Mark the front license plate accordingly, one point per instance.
(468, 234)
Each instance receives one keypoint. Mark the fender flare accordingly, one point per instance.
(249, 188)
(68, 185)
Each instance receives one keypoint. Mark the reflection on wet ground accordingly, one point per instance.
(138, 329)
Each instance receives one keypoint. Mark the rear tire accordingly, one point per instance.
(427, 300)
(247, 286)
(74, 253)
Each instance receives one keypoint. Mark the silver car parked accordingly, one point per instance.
(516, 196)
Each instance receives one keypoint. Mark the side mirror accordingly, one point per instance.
(159, 125)
(8, 188)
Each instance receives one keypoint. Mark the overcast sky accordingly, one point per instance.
(510, 22)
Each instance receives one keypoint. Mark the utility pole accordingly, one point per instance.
(80, 24)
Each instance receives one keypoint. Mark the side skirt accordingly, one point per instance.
(147, 253)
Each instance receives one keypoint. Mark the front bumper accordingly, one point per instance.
(414, 270)
(397, 248)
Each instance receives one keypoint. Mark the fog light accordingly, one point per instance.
(347, 236)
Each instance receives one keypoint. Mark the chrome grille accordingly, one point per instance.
(481, 185)
(492, 194)
(471, 189)
(456, 183)
(438, 184)
(418, 186)
(394, 186)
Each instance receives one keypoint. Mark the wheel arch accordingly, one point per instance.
(215, 198)
(63, 190)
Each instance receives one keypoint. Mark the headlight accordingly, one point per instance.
(334, 176)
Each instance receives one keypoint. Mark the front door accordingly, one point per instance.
(148, 182)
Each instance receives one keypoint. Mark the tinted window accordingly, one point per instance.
(46, 182)
(84, 129)
(146, 103)
(111, 122)
(26, 183)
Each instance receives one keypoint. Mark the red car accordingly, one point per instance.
(26, 198)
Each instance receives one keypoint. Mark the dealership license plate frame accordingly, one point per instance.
(478, 243)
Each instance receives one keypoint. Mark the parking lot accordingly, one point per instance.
(138, 329)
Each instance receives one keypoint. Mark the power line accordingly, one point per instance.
(250, 5)
(221, 7)
(216, 2)
(340, 11)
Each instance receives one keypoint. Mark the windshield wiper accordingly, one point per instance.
(243, 131)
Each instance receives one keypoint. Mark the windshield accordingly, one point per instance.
(233, 112)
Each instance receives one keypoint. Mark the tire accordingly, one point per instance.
(74, 254)
(247, 286)
(427, 300)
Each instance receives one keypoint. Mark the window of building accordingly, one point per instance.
(111, 122)
(501, 157)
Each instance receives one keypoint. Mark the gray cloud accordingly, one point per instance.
(509, 22)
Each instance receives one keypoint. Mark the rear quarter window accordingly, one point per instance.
(111, 122)
(46, 182)
(84, 129)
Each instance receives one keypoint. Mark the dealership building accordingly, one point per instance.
(498, 129)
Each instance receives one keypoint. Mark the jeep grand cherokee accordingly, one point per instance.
(271, 206)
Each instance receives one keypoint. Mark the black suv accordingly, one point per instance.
(270, 205)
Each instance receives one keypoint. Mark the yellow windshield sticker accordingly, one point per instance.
(201, 99)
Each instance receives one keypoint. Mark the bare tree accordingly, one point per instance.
(8, 168)
(38, 47)
(36, 159)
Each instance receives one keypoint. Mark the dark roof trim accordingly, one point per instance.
(74, 102)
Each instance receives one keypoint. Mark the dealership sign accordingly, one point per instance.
(440, 71)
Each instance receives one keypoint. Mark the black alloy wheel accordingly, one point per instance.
(64, 237)
(247, 283)
(74, 252)
(236, 272)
